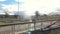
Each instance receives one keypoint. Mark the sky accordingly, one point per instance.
(29, 6)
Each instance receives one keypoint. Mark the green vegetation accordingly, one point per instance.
(55, 32)
(2, 22)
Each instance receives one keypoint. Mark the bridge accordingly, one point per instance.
(19, 28)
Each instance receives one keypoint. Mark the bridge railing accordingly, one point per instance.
(16, 28)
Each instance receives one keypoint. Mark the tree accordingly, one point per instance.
(35, 18)
(37, 14)
(45, 15)
(6, 14)
(16, 16)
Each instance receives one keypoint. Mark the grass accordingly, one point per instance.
(2, 22)
(55, 32)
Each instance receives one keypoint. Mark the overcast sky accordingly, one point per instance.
(30, 6)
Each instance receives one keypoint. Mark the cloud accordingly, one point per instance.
(11, 8)
(43, 6)
(20, 0)
(2, 0)
(30, 6)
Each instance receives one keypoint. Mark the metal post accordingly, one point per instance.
(34, 22)
(34, 26)
(41, 28)
(13, 29)
(29, 28)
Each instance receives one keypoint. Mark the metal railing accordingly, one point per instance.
(20, 28)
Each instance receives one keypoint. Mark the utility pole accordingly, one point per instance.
(18, 9)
